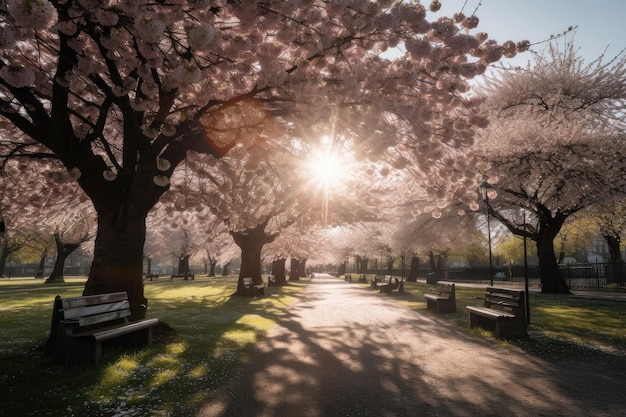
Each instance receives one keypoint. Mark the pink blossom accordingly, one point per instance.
(7, 37)
(418, 48)
(200, 37)
(150, 29)
(17, 76)
(163, 164)
(509, 49)
(482, 36)
(109, 175)
(161, 180)
(36, 15)
(470, 22)
(435, 5)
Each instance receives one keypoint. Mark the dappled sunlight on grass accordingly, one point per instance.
(213, 333)
(162, 377)
(256, 321)
(118, 373)
(239, 337)
(198, 371)
(176, 348)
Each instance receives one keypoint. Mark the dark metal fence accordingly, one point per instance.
(607, 276)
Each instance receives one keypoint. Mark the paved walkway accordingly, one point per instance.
(347, 351)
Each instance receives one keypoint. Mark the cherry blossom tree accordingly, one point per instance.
(219, 249)
(67, 241)
(54, 215)
(554, 146)
(252, 191)
(610, 220)
(118, 92)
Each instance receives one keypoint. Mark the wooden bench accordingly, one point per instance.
(152, 276)
(378, 279)
(271, 281)
(361, 278)
(441, 298)
(81, 325)
(503, 312)
(188, 275)
(388, 286)
(252, 289)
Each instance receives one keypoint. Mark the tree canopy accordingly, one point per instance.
(554, 146)
(119, 92)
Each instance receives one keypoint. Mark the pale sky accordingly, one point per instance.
(601, 23)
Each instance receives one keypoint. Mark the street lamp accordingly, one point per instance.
(484, 188)
(526, 272)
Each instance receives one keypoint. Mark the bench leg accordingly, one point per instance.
(445, 306)
(479, 321)
(97, 354)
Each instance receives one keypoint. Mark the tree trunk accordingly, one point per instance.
(342, 269)
(118, 259)
(251, 242)
(42, 264)
(294, 273)
(362, 263)
(148, 265)
(278, 270)
(63, 251)
(613, 243)
(549, 273)
(415, 263)
(302, 268)
(4, 254)
(436, 265)
(212, 265)
(183, 265)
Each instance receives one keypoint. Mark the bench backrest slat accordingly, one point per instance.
(93, 299)
(508, 291)
(443, 288)
(506, 299)
(94, 310)
(100, 318)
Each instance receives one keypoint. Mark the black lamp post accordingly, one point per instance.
(484, 188)
(526, 273)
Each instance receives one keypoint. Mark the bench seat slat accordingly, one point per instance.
(111, 332)
(489, 312)
(434, 297)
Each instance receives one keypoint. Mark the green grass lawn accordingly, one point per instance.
(213, 334)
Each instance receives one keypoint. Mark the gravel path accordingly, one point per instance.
(346, 351)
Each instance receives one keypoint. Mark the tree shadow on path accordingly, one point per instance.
(346, 351)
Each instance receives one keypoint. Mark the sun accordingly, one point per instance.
(327, 169)
(327, 174)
